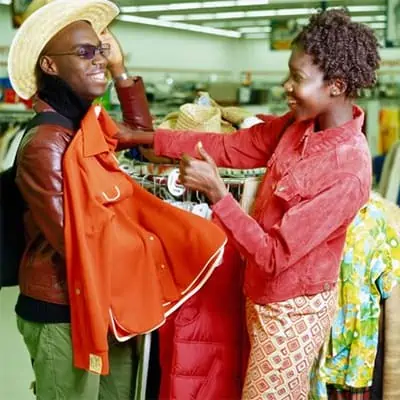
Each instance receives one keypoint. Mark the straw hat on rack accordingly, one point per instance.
(197, 118)
(190, 117)
(41, 26)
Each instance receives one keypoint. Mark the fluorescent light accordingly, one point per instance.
(293, 11)
(176, 17)
(256, 36)
(366, 8)
(199, 17)
(178, 25)
(215, 4)
(369, 18)
(251, 2)
(377, 25)
(191, 6)
(230, 15)
(255, 29)
(183, 6)
(239, 14)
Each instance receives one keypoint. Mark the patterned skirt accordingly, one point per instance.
(285, 339)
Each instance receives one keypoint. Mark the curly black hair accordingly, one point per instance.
(343, 49)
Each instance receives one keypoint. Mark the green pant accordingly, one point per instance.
(50, 348)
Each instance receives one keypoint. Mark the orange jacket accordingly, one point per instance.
(131, 258)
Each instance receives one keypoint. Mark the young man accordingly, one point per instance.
(114, 271)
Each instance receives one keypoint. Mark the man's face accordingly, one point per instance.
(86, 77)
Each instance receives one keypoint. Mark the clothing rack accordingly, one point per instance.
(15, 115)
(154, 178)
(21, 115)
(12, 124)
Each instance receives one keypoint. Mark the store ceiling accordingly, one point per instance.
(242, 18)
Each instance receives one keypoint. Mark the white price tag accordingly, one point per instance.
(174, 187)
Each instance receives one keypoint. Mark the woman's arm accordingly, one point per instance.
(246, 148)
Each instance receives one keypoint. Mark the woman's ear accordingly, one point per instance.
(338, 87)
(48, 66)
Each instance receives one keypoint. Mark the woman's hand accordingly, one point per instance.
(202, 175)
(116, 64)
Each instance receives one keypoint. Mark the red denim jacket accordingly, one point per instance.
(314, 185)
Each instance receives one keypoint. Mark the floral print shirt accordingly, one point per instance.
(370, 269)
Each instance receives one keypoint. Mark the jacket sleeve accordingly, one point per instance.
(135, 112)
(246, 148)
(39, 179)
(302, 228)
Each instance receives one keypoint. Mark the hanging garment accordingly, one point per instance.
(11, 152)
(204, 346)
(6, 140)
(389, 186)
(131, 258)
(354, 394)
(391, 326)
(391, 345)
(369, 270)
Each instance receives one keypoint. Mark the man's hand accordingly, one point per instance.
(116, 64)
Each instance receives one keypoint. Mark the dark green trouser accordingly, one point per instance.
(50, 348)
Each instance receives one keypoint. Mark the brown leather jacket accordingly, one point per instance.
(39, 178)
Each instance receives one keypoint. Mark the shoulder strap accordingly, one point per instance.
(50, 118)
(43, 118)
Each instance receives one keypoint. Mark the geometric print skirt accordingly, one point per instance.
(285, 339)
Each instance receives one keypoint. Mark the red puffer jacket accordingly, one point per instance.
(203, 347)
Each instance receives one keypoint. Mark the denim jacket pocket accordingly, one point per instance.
(288, 190)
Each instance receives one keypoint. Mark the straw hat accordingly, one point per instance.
(41, 26)
(194, 117)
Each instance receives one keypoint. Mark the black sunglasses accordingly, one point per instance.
(87, 51)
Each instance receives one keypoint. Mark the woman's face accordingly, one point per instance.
(308, 94)
(86, 77)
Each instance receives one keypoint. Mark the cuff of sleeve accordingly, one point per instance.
(223, 207)
(125, 93)
(161, 140)
(134, 105)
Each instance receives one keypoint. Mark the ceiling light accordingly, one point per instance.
(183, 6)
(238, 23)
(255, 29)
(366, 8)
(176, 17)
(178, 25)
(369, 18)
(191, 6)
(230, 15)
(377, 25)
(199, 17)
(239, 14)
(257, 36)
(294, 11)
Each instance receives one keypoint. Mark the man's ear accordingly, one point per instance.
(48, 65)
(338, 87)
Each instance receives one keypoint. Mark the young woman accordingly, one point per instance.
(318, 177)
